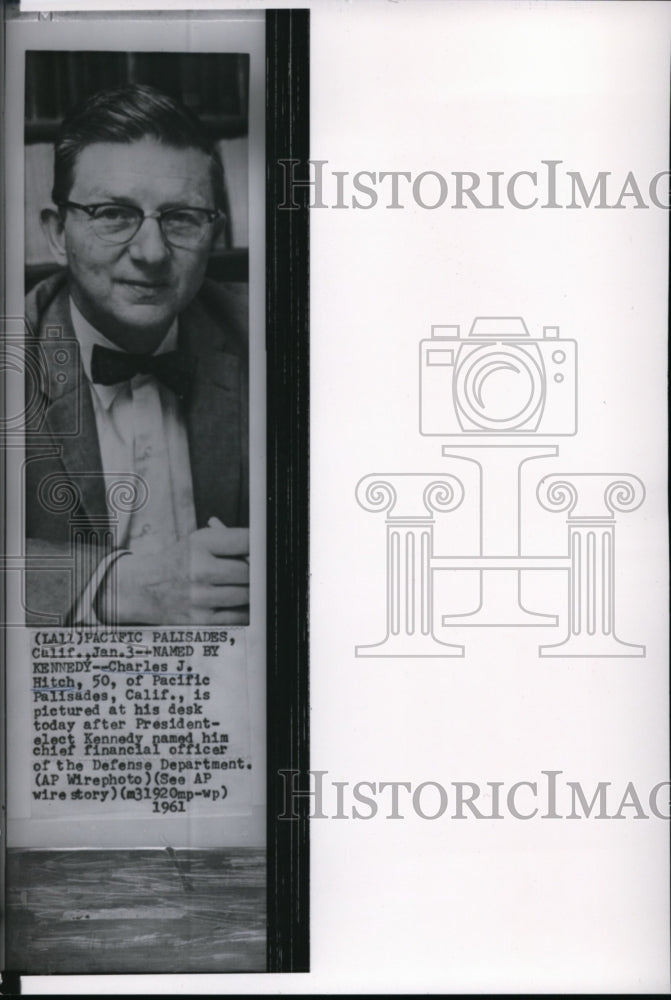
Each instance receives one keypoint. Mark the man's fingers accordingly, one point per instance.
(220, 617)
(218, 597)
(219, 571)
(221, 541)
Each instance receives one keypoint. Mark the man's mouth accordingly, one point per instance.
(142, 283)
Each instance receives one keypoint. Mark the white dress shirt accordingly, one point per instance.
(141, 431)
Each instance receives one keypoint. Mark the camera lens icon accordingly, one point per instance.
(23, 376)
(499, 389)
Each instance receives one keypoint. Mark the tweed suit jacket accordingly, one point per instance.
(67, 520)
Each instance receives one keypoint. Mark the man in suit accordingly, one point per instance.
(136, 485)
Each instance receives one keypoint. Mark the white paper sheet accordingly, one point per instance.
(510, 904)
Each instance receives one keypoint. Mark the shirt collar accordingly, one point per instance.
(87, 336)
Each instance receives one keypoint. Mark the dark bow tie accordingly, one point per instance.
(174, 368)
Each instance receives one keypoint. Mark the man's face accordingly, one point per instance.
(132, 292)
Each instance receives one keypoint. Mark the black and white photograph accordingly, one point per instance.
(143, 443)
(335, 441)
(146, 482)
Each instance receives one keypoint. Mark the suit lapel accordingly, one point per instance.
(215, 421)
(69, 417)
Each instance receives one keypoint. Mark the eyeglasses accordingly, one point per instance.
(186, 227)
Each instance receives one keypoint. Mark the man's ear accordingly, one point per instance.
(54, 230)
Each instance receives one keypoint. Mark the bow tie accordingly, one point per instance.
(174, 368)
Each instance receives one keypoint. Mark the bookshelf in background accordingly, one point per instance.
(214, 85)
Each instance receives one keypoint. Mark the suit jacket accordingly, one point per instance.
(67, 524)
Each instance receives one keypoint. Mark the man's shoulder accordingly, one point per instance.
(46, 302)
(225, 296)
(219, 317)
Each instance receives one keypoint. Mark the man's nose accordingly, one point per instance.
(148, 245)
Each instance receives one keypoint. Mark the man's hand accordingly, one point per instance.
(202, 580)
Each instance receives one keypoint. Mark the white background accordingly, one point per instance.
(537, 906)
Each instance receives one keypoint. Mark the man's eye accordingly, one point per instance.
(114, 213)
(186, 217)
